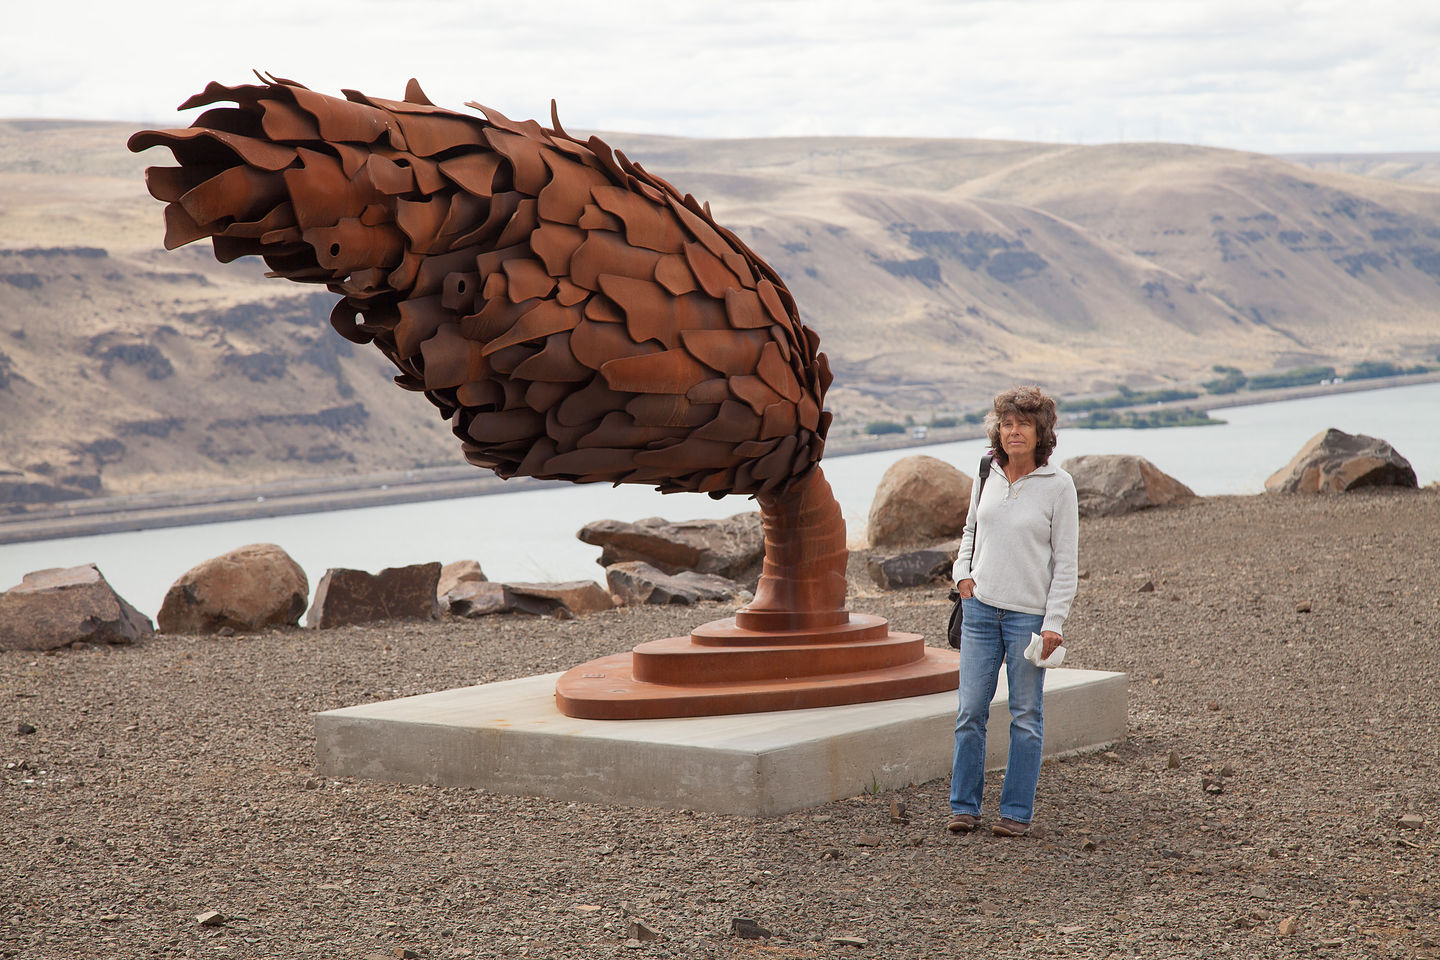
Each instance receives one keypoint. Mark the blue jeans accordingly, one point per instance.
(988, 636)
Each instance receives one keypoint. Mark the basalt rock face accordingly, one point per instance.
(919, 500)
(64, 605)
(1334, 461)
(345, 597)
(1111, 484)
(573, 316)
(251, 588)
(732, 548)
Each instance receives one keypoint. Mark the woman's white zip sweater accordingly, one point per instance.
(1026, 555)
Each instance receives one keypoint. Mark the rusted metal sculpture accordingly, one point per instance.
(575, 318)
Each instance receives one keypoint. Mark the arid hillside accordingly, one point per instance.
(934, 270)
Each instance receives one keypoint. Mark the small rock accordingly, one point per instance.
(24, 729)
(345, 597)
(588, 908)
(109, 918)
(559, 600)
(458, 572)
(1333, 461)
(849, 941)
(868, 840)
(1174, 762)
(633, 944)
(1089, 844)
(830, 853)
(58, 607)
(1110, 755)
(1302, 607)
(733, 548)
(914, 568)
(1227, 771)
(1288, 926)
(897, 812)
(1107, 485)
(404, 953)
(639, 930)
(312, 784)
(1212, 786)
(1212, 705)
(919, 499)
(475, 598)
(210, 918)
(636, 582)
(747, 929)
(1147, 587)
(1410, 821)
(249, 588)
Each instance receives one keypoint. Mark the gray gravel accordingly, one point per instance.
(1288, 651)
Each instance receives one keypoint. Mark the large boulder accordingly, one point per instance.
(571, 598)
(733, 548)
(920, 500)
(1334, 461)
(250, 588)
(346, 597)
(64, 605)
(635, 582)
(914, 568)
(1111, 484)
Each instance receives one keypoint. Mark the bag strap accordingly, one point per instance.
(985, 463)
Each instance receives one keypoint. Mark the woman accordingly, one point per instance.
(1024, 530)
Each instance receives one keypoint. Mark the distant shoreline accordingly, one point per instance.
(178, 508)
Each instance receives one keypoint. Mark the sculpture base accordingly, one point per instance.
(723, 668)
(509, 738)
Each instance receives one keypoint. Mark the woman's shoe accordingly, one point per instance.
(1005, 827)
(962, 823)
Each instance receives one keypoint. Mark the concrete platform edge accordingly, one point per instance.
(508, 738)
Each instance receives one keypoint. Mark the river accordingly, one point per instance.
(530, 535)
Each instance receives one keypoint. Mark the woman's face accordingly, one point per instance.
(1017, 436)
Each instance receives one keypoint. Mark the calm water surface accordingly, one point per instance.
(530, 535)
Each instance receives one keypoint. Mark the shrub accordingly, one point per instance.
(878, 427)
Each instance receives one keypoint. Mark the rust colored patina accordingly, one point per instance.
(574, 317)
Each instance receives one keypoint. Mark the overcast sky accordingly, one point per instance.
(1270, 75)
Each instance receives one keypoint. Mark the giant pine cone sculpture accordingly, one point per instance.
(574, 316)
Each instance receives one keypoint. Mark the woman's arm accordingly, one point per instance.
(1065, 552)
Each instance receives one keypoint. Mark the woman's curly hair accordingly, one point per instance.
(1033, 404)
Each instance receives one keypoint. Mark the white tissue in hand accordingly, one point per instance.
(1037, 646)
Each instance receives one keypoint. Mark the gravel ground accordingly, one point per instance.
(1288, 650)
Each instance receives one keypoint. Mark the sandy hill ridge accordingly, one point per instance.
(935, 271)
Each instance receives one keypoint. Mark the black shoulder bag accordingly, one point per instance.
(956, 614)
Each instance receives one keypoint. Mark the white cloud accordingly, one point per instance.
(1274, 75)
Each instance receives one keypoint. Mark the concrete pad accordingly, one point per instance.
(509, 738)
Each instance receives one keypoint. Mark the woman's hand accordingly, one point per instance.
(966, 588)
(1051, 641)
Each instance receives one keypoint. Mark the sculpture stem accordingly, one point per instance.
(803, 582)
